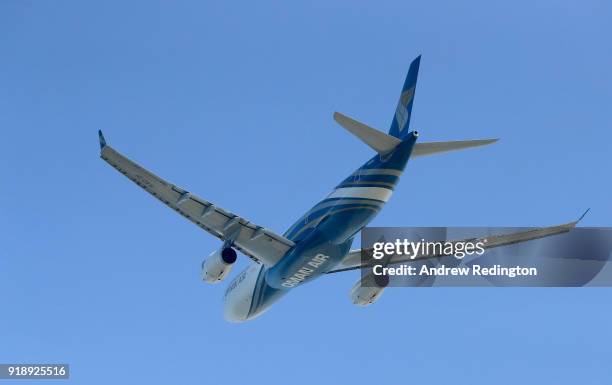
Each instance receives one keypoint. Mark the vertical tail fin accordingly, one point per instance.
(401, 120)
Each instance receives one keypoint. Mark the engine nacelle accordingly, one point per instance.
(368, 289)
(218, 265)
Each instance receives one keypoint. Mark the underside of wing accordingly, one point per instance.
(353, 260)
(258, 243)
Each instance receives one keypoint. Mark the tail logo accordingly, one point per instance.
(401, 112)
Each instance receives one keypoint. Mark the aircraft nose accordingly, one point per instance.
(235, 318)
(233, 313)
(239, 295)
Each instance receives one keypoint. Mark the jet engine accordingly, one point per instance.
(368, 289)
(218, 265)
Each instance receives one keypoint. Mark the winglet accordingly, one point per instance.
(574, 223)
(102, 140)
(583, 215)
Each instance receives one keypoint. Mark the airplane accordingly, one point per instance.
(320, 241)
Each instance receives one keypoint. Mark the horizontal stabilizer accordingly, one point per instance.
(379, 141)
(429, 148)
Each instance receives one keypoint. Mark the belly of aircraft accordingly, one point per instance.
(254, 290)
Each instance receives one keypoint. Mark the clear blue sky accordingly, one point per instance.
(234, 102)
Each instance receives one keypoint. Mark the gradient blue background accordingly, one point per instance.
(234, 102)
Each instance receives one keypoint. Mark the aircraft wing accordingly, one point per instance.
(260, 244)
(352, 261)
